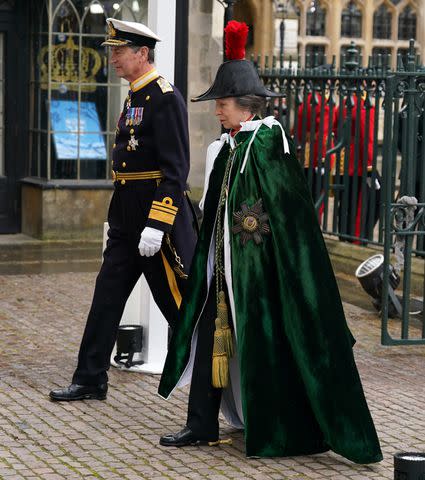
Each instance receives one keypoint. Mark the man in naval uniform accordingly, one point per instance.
(151, 227)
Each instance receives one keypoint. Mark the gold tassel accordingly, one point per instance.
(222, 314)
(220, 363)
(223, 345)
(225, 441)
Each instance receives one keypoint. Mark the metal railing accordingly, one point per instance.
(358, 133)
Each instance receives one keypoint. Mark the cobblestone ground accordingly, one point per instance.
(41, 322)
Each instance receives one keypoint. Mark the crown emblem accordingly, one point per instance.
(64, 66)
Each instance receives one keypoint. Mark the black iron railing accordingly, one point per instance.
(359, 132)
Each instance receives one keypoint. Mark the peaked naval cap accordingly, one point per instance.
(236, 78)
(122, 33)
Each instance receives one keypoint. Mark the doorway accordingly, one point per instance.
(14, 111)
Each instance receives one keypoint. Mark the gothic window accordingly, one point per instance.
(76, 95)
(382, 20)
(383, 52)
(351, 21)
(65, 19)
(404, 52)
(316, 20)
(315, 55)
(287, 10)
(407, 24)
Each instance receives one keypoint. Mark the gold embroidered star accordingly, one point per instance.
(251, 223)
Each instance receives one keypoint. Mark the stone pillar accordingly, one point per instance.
(394, 35)
(367, 30)
(165, 27)
(421, 29)
(333, 20)
(259, 29)
(205, 55)
(303, 20)
(269, 27)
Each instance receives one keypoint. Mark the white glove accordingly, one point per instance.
(150, 241)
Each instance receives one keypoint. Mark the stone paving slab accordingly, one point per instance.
(41, 323)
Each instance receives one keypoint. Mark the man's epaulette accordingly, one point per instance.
(164, 85)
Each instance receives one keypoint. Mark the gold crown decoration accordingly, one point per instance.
(64, 66)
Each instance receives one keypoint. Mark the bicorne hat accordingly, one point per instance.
(236, 77)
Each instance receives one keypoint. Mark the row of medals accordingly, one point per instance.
(133, 117)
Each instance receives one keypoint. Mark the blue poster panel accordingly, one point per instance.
(64, 118)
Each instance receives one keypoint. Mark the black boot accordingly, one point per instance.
(79, 392)
(184, 438)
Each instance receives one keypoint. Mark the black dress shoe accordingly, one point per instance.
(79, 392)
(183, 438)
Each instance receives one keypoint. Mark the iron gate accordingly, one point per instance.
(358, 134)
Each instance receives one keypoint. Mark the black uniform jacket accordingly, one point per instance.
(151, 164)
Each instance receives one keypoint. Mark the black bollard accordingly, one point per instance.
(409, 466)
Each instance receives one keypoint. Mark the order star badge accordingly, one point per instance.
(251, 223)
(133, 142)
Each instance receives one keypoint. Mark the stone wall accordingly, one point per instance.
(53, 211)
(205, 55)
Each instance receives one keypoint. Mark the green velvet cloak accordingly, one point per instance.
(300, 388)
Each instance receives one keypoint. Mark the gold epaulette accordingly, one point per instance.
(164, 85)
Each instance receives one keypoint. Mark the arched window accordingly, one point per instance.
(404, 52)
(382, 20)
(94, 19)
(351, 21)
(407, 24)
(77, 96)
(315, 55)
(316, 20)
(383, 52)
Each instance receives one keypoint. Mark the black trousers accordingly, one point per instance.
(121, 268)
(204, 399)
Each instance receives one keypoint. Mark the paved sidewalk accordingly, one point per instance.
(41, 323)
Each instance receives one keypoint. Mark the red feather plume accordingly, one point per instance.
(236, 34)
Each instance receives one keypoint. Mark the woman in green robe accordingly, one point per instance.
(262, 332)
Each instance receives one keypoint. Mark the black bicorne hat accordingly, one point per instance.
(236, 77)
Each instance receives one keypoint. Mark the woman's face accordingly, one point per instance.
(230, 114)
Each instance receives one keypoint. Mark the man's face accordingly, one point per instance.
(126, 61)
